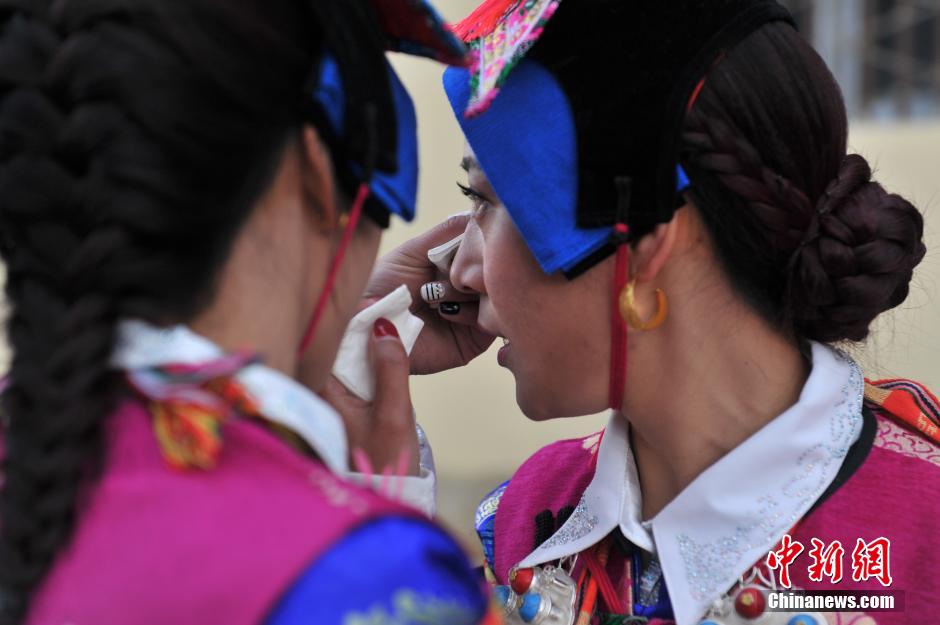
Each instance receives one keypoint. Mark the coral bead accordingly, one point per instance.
(750, 603)
(522, 580)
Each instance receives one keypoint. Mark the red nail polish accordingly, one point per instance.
(384, 327)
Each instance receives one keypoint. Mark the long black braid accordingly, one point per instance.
(135, 136)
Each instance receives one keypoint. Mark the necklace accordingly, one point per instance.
(747, 602)
(549, 595)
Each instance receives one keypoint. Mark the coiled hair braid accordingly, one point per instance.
(806, 236)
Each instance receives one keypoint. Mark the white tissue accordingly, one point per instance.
(353, 367)
(443, 255)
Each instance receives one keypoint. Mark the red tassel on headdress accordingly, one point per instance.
(618, 342)
(484, 19)
(354, 214)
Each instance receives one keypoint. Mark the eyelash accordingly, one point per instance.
(479, 202)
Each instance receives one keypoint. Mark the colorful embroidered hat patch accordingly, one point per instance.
(499, 34)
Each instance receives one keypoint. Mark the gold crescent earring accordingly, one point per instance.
(632, 317)
(338, 225)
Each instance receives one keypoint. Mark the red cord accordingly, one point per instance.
(695, 94)
(598, 570)
(600, 439)
(618, 343)
(361, 196)
(697, 91)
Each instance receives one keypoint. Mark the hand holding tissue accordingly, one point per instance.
(352, 366)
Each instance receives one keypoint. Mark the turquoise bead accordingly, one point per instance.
(708, 623)
(501, 594)
(531, 602)
(802, 619)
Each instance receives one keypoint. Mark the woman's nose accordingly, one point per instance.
(466, 270)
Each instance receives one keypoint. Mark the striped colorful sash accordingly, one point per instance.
(908, 402)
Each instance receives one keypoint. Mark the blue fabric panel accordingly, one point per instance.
(393, 570)
(398, 190)
(526, 143)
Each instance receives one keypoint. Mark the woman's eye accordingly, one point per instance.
(479, 203)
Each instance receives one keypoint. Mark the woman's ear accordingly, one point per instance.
(652, 251)
(317, 181)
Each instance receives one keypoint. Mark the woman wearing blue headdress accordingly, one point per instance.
(679, 169)
(192, 195)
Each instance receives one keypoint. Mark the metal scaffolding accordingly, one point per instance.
(884, 53)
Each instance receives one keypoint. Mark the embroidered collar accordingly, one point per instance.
(732, 514)
(281, 399)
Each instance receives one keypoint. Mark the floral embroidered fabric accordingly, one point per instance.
(496, 48)
(191, 403)
(911, 403)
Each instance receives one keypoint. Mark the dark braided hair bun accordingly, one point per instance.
(858, 259)
(804, 233)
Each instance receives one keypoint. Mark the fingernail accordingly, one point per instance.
(432, 292)
(384, 327)
(450, 308)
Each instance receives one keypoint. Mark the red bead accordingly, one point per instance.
(521, 580)
(750, 603)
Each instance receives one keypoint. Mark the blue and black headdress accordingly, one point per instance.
(592, 93)
(359, 104)
(364, 113)
(581, 142)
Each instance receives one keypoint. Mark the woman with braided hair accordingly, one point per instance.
(680, 169)
(192, 194)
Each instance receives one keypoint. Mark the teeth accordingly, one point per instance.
(505, 341)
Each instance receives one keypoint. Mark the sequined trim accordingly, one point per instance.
(580, 524)
(407, 606)
(650, 582)
(893, 437)
(489, 505)
(485, 524)
(710, 564)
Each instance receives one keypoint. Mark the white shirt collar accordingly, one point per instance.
(732, 514)
(280, 398)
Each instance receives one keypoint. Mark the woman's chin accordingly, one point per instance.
(536, 406)
(540, 404)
